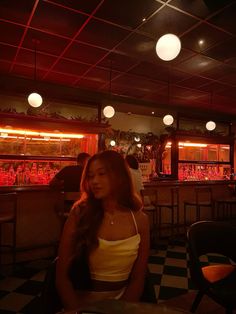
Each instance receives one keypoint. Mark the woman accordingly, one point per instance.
(108, 220)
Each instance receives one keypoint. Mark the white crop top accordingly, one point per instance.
(113, 260)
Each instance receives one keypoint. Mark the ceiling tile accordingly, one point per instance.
(213, 86)
(47, 43)
(27, 57)
(45, 11)
(194, 82)
(83, 6)
(119, 62)
(7, 52)
(197, 64)
(84, 53)
(168, 20)
(100, 75)
(230, 78)
(15, 10)
(68, 67)
(10, 33)
(200, 8)
(101, 34)
(217, 72)
(203, 37)
(61, 78)
(226, 18)
(4, 66)
(140, 47)
(223, 51)
(127, 13)
(26, 71)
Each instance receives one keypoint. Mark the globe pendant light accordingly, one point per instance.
(210, 125)
(168, 119)
(109, 111)
(168, 47)
(34, 99)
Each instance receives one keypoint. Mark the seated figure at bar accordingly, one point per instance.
(68, 178)
(109, 227)
(135, 173)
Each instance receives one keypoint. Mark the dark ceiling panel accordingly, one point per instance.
(218, 71)
(7, 52)
(61, 78)
(47, 43)
(46, 11)
(226, 19)
(118, 62)
(167, 20)
(10, 33)
(203, 37)
(200, 8)
(83, 6)
(140, 47)
(197, 64)
(26, 56)
(127, 13)
(68, 67)
(194, 82)
(102, 34)
(15, 10)
(84, 53)
(224, 51)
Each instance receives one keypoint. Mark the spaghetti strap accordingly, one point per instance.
(135, 223)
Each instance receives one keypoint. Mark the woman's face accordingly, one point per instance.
(98, 180)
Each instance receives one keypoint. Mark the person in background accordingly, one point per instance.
(68, 178)
(135, 173)
(109, 223)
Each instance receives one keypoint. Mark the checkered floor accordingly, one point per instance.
(19, 292)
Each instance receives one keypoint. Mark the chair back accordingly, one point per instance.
(203, 195)
(209, 237)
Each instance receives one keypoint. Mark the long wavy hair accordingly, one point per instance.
(90, 210)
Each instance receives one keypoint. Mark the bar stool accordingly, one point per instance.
(149, 196)
(173, 207)
(203, 199)
(8, 215)
(224, 208)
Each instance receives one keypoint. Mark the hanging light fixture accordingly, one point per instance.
(168, 119)
(211, 125)
(109, 111)
(168, 47)
(34, 99)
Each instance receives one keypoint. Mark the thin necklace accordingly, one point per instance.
(111, 218)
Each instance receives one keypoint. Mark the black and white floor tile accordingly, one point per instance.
(20, 291)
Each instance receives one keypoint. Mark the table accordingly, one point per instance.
(121, 307)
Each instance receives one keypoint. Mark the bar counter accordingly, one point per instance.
(38, 225)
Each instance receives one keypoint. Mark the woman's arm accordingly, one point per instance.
(135, 286)
(65, 257)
